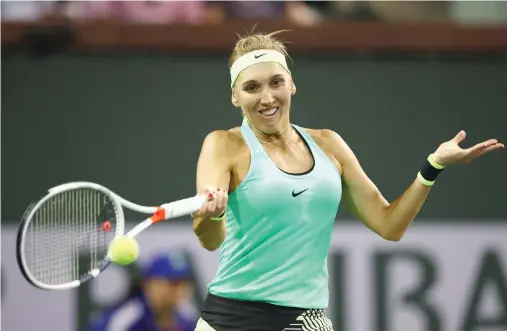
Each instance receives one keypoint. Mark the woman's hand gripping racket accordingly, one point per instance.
(63, 239)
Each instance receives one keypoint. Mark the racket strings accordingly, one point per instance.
(65, 238)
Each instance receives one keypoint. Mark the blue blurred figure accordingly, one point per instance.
(159, 303)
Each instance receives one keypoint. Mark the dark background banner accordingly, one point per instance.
(135, 122)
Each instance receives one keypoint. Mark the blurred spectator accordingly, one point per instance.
(25, 10)
(304, 13)
(296, 12)
(160, 302)
(164, 12)
(161, 12)
(94, 10)
(387, 11)
(411, 11)
(345, 10)
(153, 12)
(190, 12)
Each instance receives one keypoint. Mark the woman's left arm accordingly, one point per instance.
(366, 202)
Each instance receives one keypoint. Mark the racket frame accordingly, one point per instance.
(163, 212)
(119, 231)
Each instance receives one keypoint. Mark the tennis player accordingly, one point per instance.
(274, 190)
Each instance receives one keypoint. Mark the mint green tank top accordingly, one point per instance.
(279, 229)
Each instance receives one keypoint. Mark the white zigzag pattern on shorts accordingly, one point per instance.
(311, 320)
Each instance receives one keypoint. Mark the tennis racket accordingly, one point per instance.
(63, 239)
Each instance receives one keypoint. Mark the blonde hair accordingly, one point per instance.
(254, 41)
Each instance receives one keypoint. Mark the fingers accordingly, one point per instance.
(215, 204)
(490, 142)
(492, 147)
(211, 204)
(480, 147)
(453, 154)
(221, 198)
(483, 148)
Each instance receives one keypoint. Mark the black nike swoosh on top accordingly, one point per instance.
(258, 56)
(296, 194)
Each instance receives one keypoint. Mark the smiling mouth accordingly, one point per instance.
(269, 112)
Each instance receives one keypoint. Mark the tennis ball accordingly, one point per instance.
(123, 250)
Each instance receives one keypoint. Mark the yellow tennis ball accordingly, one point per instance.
(123, 250)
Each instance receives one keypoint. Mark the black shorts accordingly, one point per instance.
(222, 314)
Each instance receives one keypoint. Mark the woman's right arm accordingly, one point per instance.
(213, 176)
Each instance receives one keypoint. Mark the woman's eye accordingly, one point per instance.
(250, 88)
(277, 82)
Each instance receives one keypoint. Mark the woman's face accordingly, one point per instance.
(264, 91)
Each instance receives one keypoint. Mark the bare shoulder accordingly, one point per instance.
(221, 137)
(331, 143)
(225, 142)
(236, 138)
(326, 138)
(321, 135)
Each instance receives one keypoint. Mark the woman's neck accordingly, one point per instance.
(283, 138)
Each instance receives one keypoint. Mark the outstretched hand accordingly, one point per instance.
(449, 152)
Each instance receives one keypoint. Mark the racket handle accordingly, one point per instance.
(178, 208)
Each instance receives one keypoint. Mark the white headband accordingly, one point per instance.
(258, 56)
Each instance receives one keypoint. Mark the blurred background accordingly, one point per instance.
(123, 94)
